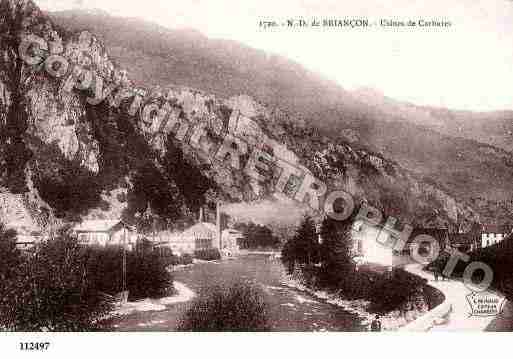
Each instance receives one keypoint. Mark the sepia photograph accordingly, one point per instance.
(251, 167)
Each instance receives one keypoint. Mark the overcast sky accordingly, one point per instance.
(466, 66)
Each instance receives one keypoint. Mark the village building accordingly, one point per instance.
(465, 242)
(28, 241)
(27, 236)
(368, 241)
(377, 244)
(371, 244)
(202, 236)
(102, 233)
(231, 238)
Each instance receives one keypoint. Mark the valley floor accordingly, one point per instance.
(297, 310)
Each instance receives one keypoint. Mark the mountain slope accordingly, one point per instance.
(493, 128)
(453, 148)
(69, 158)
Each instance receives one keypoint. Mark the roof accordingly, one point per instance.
(21, 227)
(97, 225)
(20, 239)
(494, 228)
(202, 229)
(232, 232)
(463, 238)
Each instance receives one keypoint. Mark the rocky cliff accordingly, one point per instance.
(462, 151)
(89, 142)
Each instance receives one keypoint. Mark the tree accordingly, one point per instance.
(14, 152)
(288, 256)
(307, 242)
(303, 248)
(152, 187)
(51, 290)
(10, 261)
(335, 251)
(9, 254)
(257, 236)
(189, 178)
(63, 286)
(147, 221)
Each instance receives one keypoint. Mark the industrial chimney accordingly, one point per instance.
(201, 219)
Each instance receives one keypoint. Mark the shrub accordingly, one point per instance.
(147, 277)
(175, 260)
(186, 258)
(307, 275)
(146, 274)
(338, 272)
(51, 290)
(393, 293)
(240, 307)
(208, 254)
(171, 260)
(144, 246)
(256, 236)
(167, 256)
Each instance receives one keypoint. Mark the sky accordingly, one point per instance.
(466, 66)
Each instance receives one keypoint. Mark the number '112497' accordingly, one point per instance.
(34, 346)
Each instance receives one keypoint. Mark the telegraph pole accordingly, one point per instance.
(219, 230)
(124, 260)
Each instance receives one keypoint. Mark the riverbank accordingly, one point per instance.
(391, 321)
(182, 294)
(245, 252)
(288, 309)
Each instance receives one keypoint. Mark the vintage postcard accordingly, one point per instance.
(257, 166)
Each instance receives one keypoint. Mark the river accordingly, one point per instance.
(289, 309)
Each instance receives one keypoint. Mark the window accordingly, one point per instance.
(360, 246)
(103, 237)
(82, 237)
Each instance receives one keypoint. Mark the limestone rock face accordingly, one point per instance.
(58, 119)
(245, 105)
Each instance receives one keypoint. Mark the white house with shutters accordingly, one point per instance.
(371, 244)
(493, 234)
